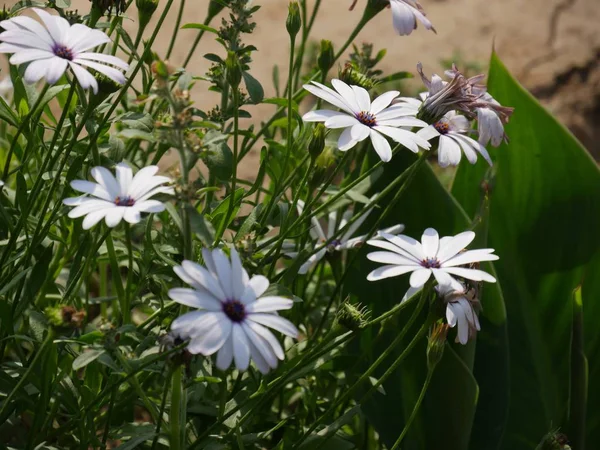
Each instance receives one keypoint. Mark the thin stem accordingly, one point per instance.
(24, 122)
(230, 206)
(6, 403)
(175, 30)
(190, 54)
(116, 276)
(365, 376)
(128, 286)
(163, 404)
(413, 414)
(175, 413)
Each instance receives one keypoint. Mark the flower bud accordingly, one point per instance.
(436, 344)
(293, 22)
(352, 316)
(64, 316)
(110, 6)
(146, 9)
(234, 71)
(215, 7)
(554, 441)
(317, 141)
(326, 56)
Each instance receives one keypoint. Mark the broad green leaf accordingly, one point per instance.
(255, 89)
(544, 221)
(87, 357)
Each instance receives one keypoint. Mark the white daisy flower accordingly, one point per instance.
(51, 48)
(6, 88)
(405, 14)
(441, 257)
(114, 199)
(232, 318)
(491, 118)
(362, 118)
(1, 184)
(326, 242)
(452, 131)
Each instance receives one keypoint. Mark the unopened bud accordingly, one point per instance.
(554, 441)
(317, 141)
(63, 316)
(146, 9)
(436, 344)
(215, 7)
(326, 56)
(234, 71)
(293, 22)
(352, 316)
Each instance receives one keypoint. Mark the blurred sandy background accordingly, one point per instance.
(552, 46)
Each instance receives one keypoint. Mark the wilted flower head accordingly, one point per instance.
(467, 96)
(406, 13)
(452, 131)
(324, 243)
(110, 6)
(51, 48)
(462, 308)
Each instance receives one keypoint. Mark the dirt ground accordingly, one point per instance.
(552, 46)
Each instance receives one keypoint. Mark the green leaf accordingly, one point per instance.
(249, 223)
(87, 357)
(255, 89)
(200, 226)
(132, 133)
(544, 221)
(199, 26)
(218, 157)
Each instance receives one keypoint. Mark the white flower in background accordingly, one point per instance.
(440, 257)
(232, 318)
(114, 199)
(6, 88)
(490, 121)
(362, 119)
(51, 48)
(1, 184)
(460, 311)
(326, 243)
(405, 14)
(452, 131)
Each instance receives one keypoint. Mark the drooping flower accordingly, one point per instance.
(324, 243)
(441, 257)
(405, 14)
(51, 48)
(460, 311)
(232, 317)
(6, 88)
(114, 199)
(452, 131)
(362, 118)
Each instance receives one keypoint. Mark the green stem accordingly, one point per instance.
(163, 404)
(188, 58)
(175, 30)
(6, 403)
(415, 410)
(22, 126)
(128, 286)
(365, 376)
(175, 415)
(116, 276)
(230, 206)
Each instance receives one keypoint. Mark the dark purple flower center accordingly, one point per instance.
(63, 52)
(333, 244)
(442, 126)
(235, 310)
(431, 263)
(124, 201)
(366, 118)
